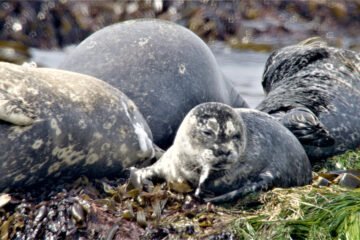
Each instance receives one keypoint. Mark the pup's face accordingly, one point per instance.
(212, 138)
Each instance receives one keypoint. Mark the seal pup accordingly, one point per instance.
(59, 124)
(163, 67)
(226, 153)
(314, 90)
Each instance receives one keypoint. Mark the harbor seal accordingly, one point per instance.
(59, 124)
(226, 153)
(314, 90)
(163, 67)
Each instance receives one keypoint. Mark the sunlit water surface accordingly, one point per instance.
(244, 69)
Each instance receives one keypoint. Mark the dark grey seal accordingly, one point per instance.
(314, 90)
(226, 153)
(163, 67)
(59, 124)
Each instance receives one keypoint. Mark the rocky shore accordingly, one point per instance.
(250, 25)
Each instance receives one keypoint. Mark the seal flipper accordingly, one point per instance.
(140, 177)
(263, 184)
(144, 177)
(307, 128)
(15, 110)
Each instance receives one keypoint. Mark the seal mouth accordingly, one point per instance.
(221, 165)
(223, 161)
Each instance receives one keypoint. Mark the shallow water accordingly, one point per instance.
(244, 69)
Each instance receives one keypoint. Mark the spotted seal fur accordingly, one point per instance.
(55, 123)
(163, 67)
(226, 153)
(314, 90)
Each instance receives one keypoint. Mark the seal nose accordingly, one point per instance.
(222, 152)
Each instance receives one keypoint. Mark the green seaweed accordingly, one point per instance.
(304, 213)
(308, 212)
(345, 161)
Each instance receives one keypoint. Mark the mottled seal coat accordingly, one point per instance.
(226, 153)
(55, 123)
(163, 67)
(314, 90)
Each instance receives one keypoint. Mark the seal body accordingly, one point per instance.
(163, 67)
(60, 124)
(314, 90)
(225, 153)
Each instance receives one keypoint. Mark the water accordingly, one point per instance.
(49, 58)
(244, 69)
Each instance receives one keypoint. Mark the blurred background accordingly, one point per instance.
(241, 33)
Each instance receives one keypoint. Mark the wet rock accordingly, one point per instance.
(348, 180)
(321, 182)
(4, 199)
(223, 236)
(54, 24)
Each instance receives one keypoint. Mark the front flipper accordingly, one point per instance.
(141, 177)
(15, 111)
(251, 187)
(307, 128)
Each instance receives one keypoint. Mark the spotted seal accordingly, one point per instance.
(226, 153)
(314, 90)
(55, 123)
(163, 67)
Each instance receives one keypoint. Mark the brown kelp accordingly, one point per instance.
(112, 209)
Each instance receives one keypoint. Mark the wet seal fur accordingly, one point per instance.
(226, 153)
(59, 124)
(314, 90)
(163, 67)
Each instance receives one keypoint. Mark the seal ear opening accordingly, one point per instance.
(307, 128)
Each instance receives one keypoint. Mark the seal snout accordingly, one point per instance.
(222, 152)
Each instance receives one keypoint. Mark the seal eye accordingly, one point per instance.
(207, 133)
(236, 137)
